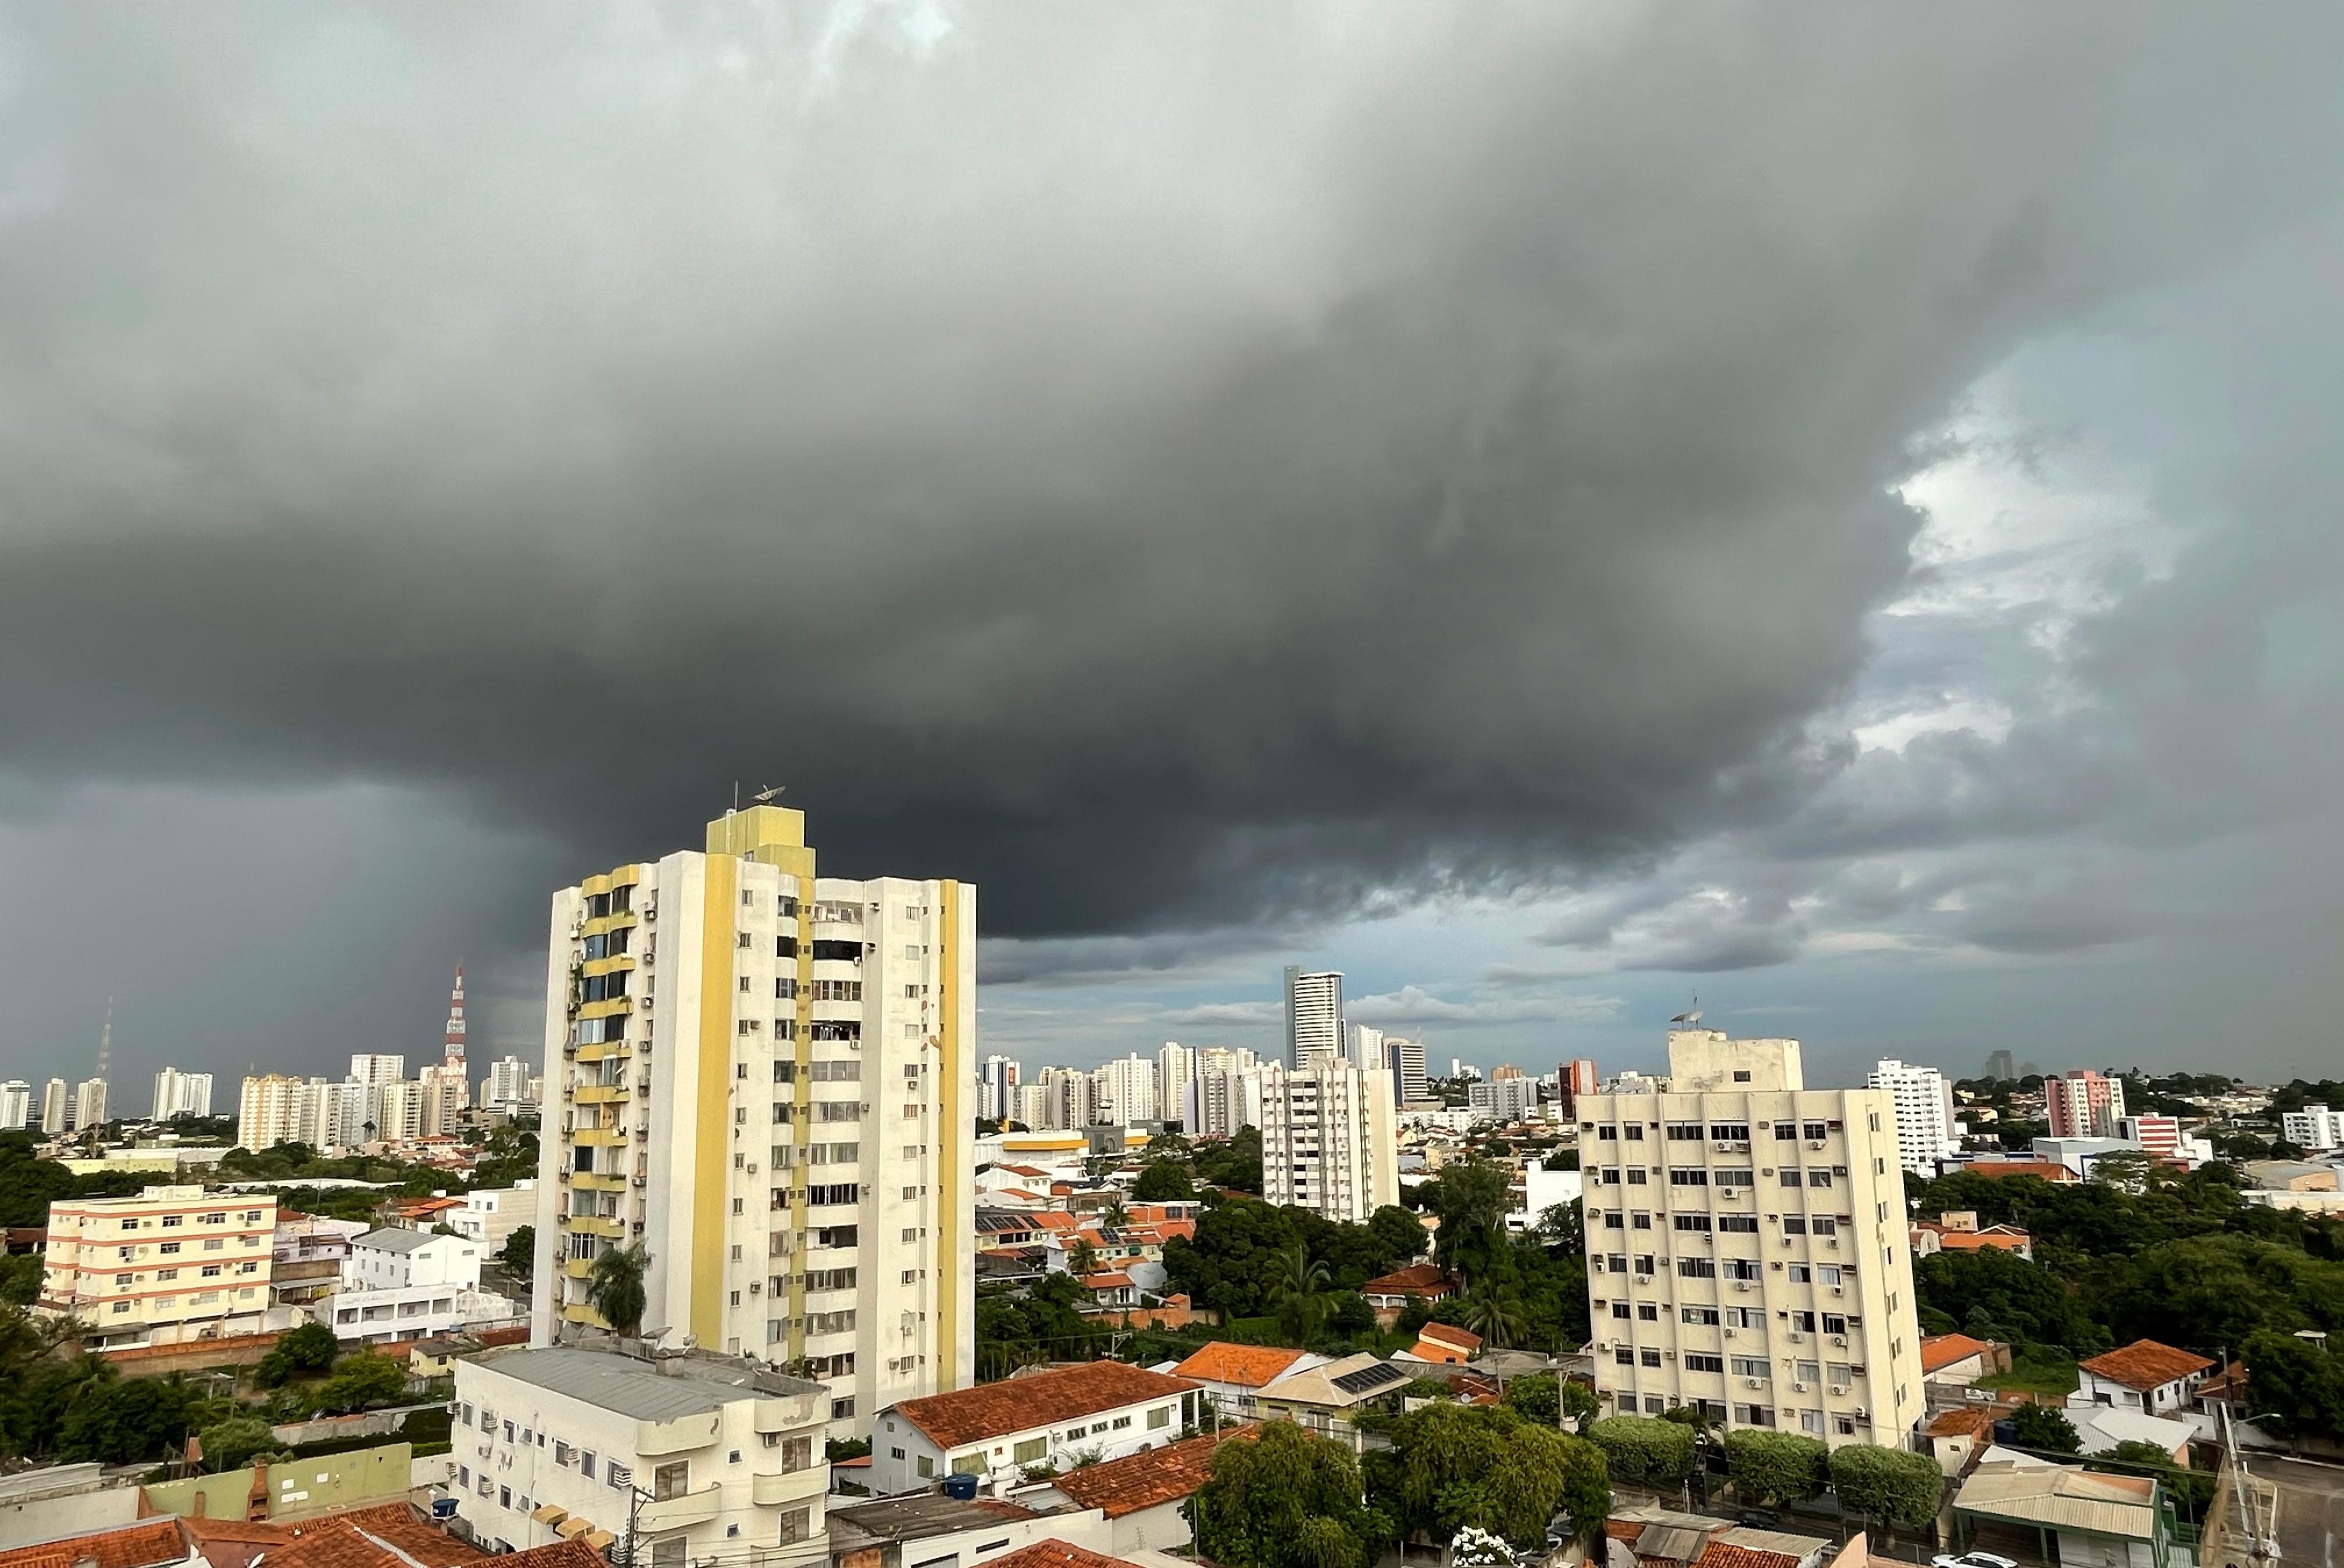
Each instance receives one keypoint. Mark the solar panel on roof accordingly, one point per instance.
(1366, 1378)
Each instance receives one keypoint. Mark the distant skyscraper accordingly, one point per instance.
(1924, 1114)
(57, 1107)
(996, 1086)
(1314, 1015)
(374, 1071)
(1405, 1059)
(15, 1104)
(1127, 1089)
(1363, 1047)
(1999, 1065)
(2082, 1103)
(1326, 1140)
(180, 1093)
(1175, 1065)
(1575, 1078)
(89, 1104)
(507, 1085)
(268, 1112)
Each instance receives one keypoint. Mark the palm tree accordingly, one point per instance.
(615, 1288)
(1496, 1316)
(1296, 1288)
(1116, 1216)
(1082, 1259)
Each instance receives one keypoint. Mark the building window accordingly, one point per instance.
(795, 1522)
(1159, 1418)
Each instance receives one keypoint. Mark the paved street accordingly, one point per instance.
(2310, 1510)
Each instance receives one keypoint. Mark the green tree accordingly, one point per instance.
(231, 1442)
(1115, 1216)
(131, 1421)
(1578, 1403)
(360, 1381)
(1235, 1164)
(1398, 1235)
(614, 1287)
(305, 1349)
(1287, 1498)
(1900, 1490)
(1452, 1465)
(519, 1253)
(1469, 1199)
(2045, 1427)
(1299, 1293)
(1644, 1450)
(20, 1279)
(1163, 1182)
(2294, 1387)
(1536, 1399)
(1082, 1258)
(1771, 1467)
(1496, 1314)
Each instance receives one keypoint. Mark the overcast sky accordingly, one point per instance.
(1545, 509)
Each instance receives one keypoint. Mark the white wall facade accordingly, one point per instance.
(1327, 1141)
(1924, 1102)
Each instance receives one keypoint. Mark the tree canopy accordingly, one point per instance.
(1644, 1450)
(1287, 1498)
(1452, 1465)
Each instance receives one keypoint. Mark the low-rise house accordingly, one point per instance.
(1325, 1398)
(1143, 1498)
(2102, 1427)
(556, 1443)
(1056, 1418)
(1233, 1376)
(400, 1284)
(1652, 1537)
(1959, 1360)
(1958, 1231)
(488, 1216)
(2143, 1376)
(1389, 1294)
(1958, 1435)
(2015, 1504)
(308, 1252)
(1443, 1342)
(930, 1528)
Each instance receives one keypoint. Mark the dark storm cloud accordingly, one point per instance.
(1177, 467)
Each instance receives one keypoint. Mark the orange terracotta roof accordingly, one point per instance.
(1146, 1480)
(969, 1415)
(1107, 1281)
(1623, 1530)
(1241, 1366)
(1056, 1553)
(2145, 1364)
(1974, 1241)
(133, 1546)
(1053, 1220)
(1422, 1278)
(235, 1542)
(1450, 1335)
(2048, 1170)
(1721, 1554)
(391, 1535)
(1962, 1420)
(571, 1554)
(1944, 1350)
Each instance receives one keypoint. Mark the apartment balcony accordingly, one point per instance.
(577, 1268)
(598, 1181)
(605, 1051)
(602, 1093)
(599, 1225)
(697, 1507)
(607, 1137)
(785, 1487)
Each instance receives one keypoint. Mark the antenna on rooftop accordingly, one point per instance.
(105, 1040)
(1691, 1015)
(770, 793)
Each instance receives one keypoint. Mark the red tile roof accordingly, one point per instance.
(1722, 1554)
(1423, 1279)
(392, 1535)
(1241, 1366)
(134, 1546)
(2145, 1364)
(1019, 1404)
(571, 1554)
(1147, 1479)
(1944, 1350)
(2048, 1170)
(1450, 1336)
(1056, 1553)
(1962, 1420)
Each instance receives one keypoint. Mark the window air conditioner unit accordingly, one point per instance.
(1839, 1290)
(1752, 1383)
(1837, 1389)
(1798, 1388)
(1815, 1143)
(1796, 1337)
(1839, 1339)
(1859, 1411)
(1740, 1284)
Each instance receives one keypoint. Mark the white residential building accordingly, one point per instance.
(394, 1110)
(1175, 1067)
(2314, 1127)
(57, 1107)
(15, 1104)
(1314, 1015)
(1924, 1114)
(490, 1215)
(269, 1111)
(1071, 1099)
(997, 1089)
(711, 1459)
(1541, 1188)
(374, 1069)
(1503, 1099)
(89, 1104)
(1405, 1059)
(180, 1093)
(1126, 1090)
(332, 1114)
(1098, 1410)
(1029, 1105)
(172, 1265)
(762, 1077)
(1224, 1093)
(507, 1087)
(400, 1284)
(1364, 1045)
(1747, 1244)
(1327, 1141)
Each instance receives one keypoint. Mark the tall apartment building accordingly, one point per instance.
(171, 1265)
(761, 1077)
(331, 1114)
(2082, 1103)
(442, 1093)
(1746, 1246)
(1924, 1114)
(1029, 1105)
(1070, 1099)
(269, 1111)
(1224, 1092)
(1363, 1047)
(374, 1068)
(2313, 1127)
(57, 1107)
(1405, 1060)
(89, 1104)
(996, 1086)
(1327, 1143)
(1176, 1066)
(15, 1104)
(180, 1093)
(1126, 1090)
(1314, 1016)
(1503, 1099)
(507, 1085)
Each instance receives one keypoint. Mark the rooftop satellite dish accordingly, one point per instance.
(766, 796)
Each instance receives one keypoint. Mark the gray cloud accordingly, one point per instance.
(1171, 466)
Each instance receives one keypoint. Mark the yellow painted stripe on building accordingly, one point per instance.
(607, 965)
(619, 877)
(955, 1125)
(714, 1093)
(605, 1009)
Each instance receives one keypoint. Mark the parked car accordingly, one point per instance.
(1970, 1560)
